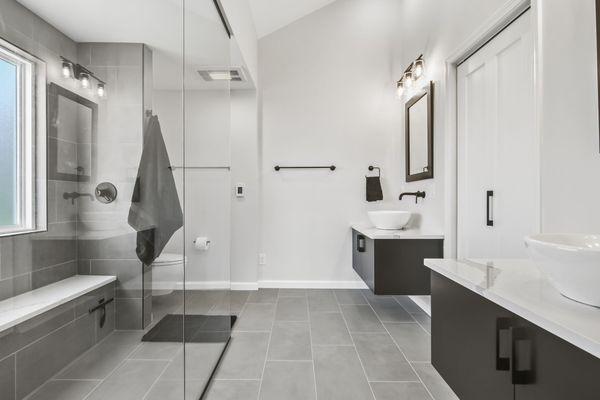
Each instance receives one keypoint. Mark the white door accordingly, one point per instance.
(498, 147)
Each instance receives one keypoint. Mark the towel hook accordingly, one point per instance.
(371, 168)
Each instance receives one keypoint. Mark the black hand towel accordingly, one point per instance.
(374, 192)
(155, 211)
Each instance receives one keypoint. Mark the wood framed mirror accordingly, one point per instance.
(419, 135)
(72, 126)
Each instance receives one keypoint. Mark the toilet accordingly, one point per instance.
(167, 273)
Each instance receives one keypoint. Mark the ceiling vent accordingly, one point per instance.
(232, 74)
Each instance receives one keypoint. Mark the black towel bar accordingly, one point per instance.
(331, 167)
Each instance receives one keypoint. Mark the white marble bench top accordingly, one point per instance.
(25, 306)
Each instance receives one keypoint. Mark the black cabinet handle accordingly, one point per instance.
(522, 369)
(489, 207)
(361, 244)
(503, 344)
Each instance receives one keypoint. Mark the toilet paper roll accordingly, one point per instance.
(202, 243)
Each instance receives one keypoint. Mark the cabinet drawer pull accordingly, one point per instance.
(361, 244)
(522, 369)
(503, 344)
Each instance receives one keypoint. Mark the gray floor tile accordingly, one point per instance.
(233, 390)
(231, 304)
(64, 390)
(199, 358)
(424, 320)
(132, 380)
(329, 329)
(319, 292)
(323, 302)
(339, 374)
(156, 351)
(361, 319)
(263, 296)
(434, 382)
(290, 380)
(400, 391)
(174, 390)
(388, 310)
(349, 296)
(412, 339)
(245, 357)
(290, 341)
(381, 358)
(408, 304)
(292, 293)
(256, 317)
(291, 309)
(102, 359)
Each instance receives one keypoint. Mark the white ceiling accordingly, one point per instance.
(156, 23)
(271, 15)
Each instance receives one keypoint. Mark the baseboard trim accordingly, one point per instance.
(244, 285)
(312, 285)
(424, 302)
(214, 285)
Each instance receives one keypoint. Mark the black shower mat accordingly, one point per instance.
(198, 329)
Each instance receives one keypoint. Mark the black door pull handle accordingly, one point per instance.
(361, 244)
(522, 369)
(503, 344)
(489, 206)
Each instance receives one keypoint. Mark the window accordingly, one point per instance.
(22, 142)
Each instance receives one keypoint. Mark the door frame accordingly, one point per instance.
(486, 32)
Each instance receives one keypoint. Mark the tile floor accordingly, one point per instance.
(288, 344)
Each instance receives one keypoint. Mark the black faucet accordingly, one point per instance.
(416, 194)
(76, 195)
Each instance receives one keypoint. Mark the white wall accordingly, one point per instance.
(245, 221)
(569, 123)
(327, 85)
(207, 192)
(240, 18)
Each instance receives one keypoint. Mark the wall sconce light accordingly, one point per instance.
(101, 90)
(67, 69)
(419, 68)
(411, 76)
(85, 80)
(83, 75)
(400, 88)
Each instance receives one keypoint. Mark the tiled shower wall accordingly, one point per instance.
(116, 152)
(30, 261)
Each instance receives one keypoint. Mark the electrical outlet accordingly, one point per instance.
(262, 259)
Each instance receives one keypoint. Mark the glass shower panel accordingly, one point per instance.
(206, 173)
(116, 106)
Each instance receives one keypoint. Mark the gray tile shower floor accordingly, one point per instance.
(287, 344)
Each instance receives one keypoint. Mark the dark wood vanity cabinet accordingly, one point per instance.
(484, 351)
(394, 266)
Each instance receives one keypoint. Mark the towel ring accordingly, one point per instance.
(371, 168)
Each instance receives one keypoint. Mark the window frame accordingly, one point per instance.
(31, 141)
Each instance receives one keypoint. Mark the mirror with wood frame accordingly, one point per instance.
(419, 135)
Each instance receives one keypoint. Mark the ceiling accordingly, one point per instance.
(271, 15)
(156, 23)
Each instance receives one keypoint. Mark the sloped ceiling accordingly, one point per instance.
(271, 15)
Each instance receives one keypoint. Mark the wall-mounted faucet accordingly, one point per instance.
(76, 195)
(416, 194)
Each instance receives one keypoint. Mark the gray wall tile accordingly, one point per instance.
(7, 378)
(44, 358)
(128, 273)
(53, 274)
(129, 314)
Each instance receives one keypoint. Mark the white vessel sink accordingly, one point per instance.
(571, 262)
(389, 220)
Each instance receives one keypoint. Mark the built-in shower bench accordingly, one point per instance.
(23, 307)
(44, 330)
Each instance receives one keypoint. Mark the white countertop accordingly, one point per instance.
(25, 306)
(374, 233)
(518, 286)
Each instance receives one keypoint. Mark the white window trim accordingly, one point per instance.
(31, 160)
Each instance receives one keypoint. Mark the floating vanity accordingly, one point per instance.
(501, 331)
(390, 262)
